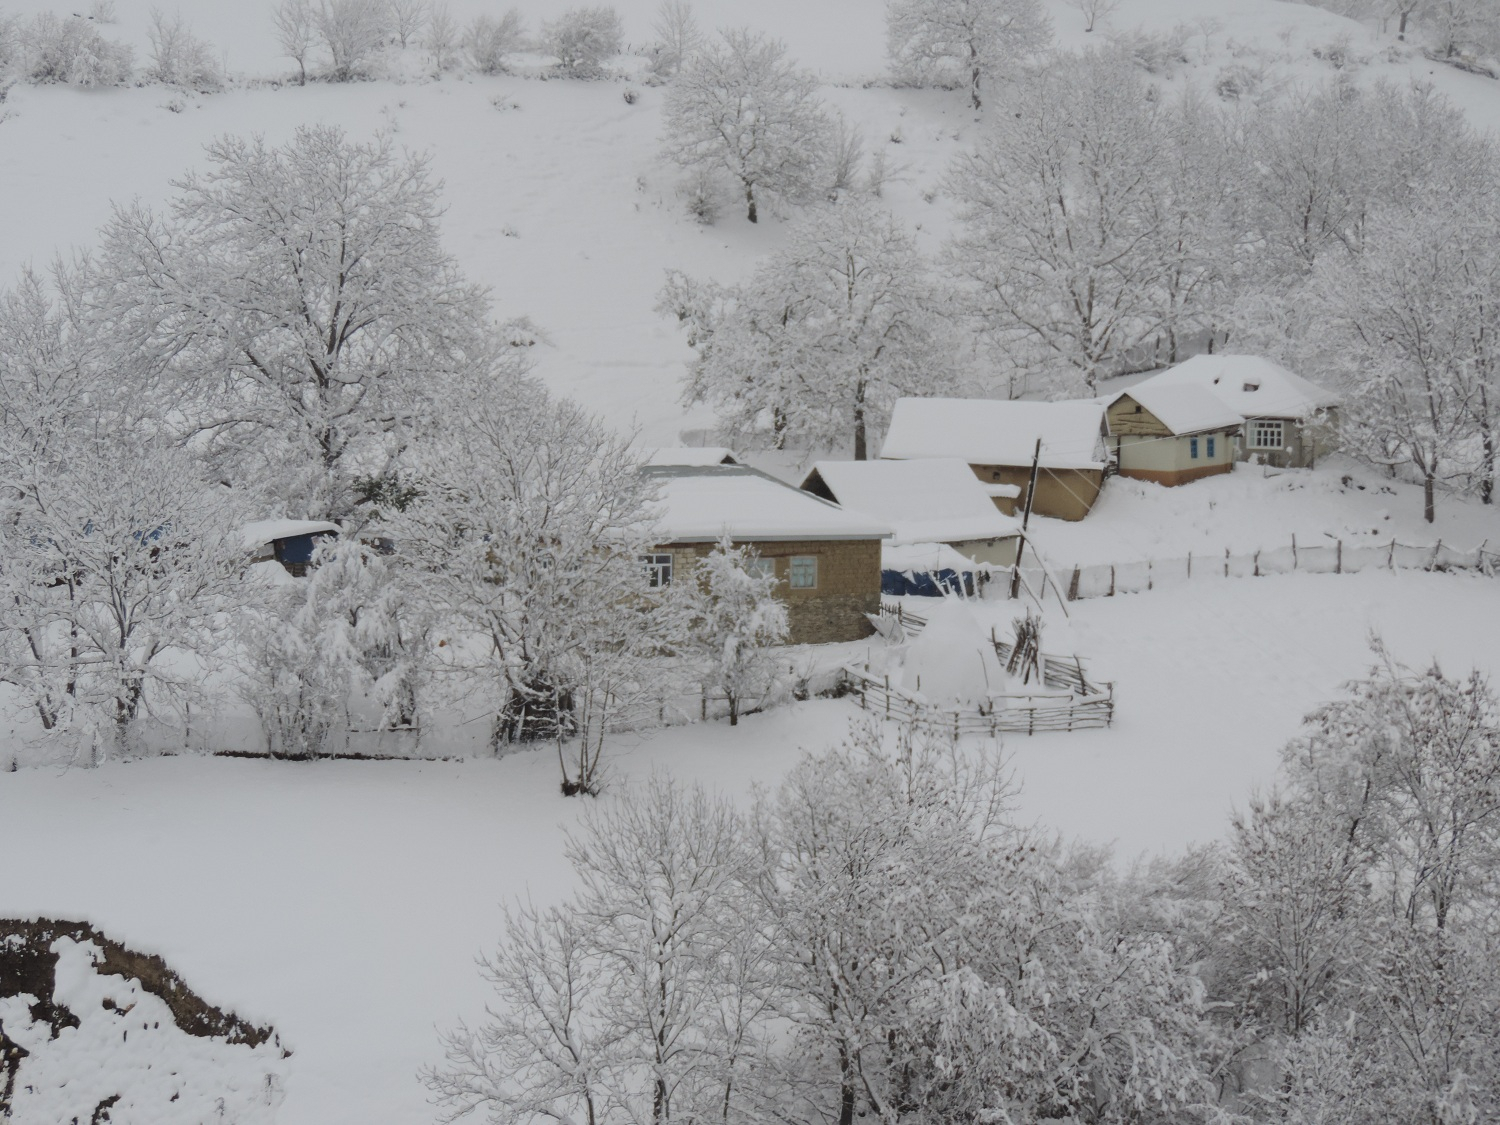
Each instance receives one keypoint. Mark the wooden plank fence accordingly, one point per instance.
(1072, 703)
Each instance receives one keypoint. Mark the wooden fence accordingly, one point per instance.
(1072, 703)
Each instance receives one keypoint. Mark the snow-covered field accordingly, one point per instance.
(344, 901)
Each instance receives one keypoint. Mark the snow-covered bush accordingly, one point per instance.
(582, 38)
(489, 39)
(178, 57)
(72, 50)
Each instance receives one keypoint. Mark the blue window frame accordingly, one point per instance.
(1210, 449)
(1193, 448)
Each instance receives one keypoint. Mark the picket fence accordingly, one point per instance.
(1070, 701)
(1107, 579)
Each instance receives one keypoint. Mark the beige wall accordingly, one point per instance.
(1065, 494)
(1146, 449)
(848, 585)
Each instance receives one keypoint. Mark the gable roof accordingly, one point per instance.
(701, 503)
(692, 455)
(261, 532)
(936, 500)
(1184, 408)
(983, 431)
(1251, 385)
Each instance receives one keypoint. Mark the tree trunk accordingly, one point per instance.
(846, 1087)
(734, 709)
(1401, 28)
(861, 444)
(1429, 512)
(974, 72)
(750, 212)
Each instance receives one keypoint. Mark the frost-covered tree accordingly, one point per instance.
(732, 617)
(526, 539)
(180, 58)
(489, 39)
(1062, 232)
(966, 42)
(442, 39)
(300, 309)
(825, 336)
(295, 34)
(582, 38)
(742, 108)
(72, 50)
(353, 32)
(406, 20)
(677, 34)
(1095, 10)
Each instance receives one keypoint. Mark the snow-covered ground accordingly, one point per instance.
(1256, 508)
(344, 901)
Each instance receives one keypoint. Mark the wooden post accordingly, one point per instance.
(1073, 584)
(1390, 561)
(1190, 564)
(1437, 549)
(1111, 579)
(1294, 550)
(1338, 557)
(1015, 574)
(1257, 564)
(887, 695)
(1149, 584)
(1226, 562)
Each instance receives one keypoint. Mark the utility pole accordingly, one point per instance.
(1015, 572)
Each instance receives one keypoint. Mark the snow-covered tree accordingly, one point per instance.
(72, 50)
(295, 35)
(180, 58)
(825, 336)
(300, 308)
(526, 538)
(732, 617)
(1062, 237)
(353, 32)
(677, 34)
(1095, 10)
(741, 107)
(582, 38)
(406, 20)
(442, 38)
(489, 39)
(966, 42)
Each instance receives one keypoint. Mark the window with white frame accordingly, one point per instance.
(802, 574)
(1267, 433)
(760, 567)
(658, 570)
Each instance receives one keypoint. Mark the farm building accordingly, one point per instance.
(929, 505)
(997, 439)
(827, 560)
(1288, 420)
(1171, 434)
(289, 542)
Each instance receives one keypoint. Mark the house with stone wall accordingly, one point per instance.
(826, 560)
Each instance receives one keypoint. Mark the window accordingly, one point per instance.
(804, 572)
(1210, 448)
(1193, 448)
(1266, 433)
(658, 570)
(761, 568)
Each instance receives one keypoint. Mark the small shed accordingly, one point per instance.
(1171, 434)
(1288, 420)
(826, 560)
(938, 511)
(997, 439)
(289, 542)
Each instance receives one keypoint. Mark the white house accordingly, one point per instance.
(1171, 433)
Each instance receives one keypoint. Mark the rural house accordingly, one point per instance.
(289, 542)
(826, 560)
(997, 440)
(1171, 434)
(923, 501)
(1288, 419)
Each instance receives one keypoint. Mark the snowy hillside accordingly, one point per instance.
(557, 198)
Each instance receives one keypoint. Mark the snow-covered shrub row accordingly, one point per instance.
(879, 940)
(70, 49)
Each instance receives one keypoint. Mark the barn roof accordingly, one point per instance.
(1251, 385)
(1184, 408)
(262, 532)
(701, 503)
(936, 500)
(997, 432)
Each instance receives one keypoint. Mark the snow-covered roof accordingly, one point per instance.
(1184, 408)
(1251, 385)
(692, 455)
(995, 432)
(925, 558)
(266, 531)
(699, 504)
(927, 500)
